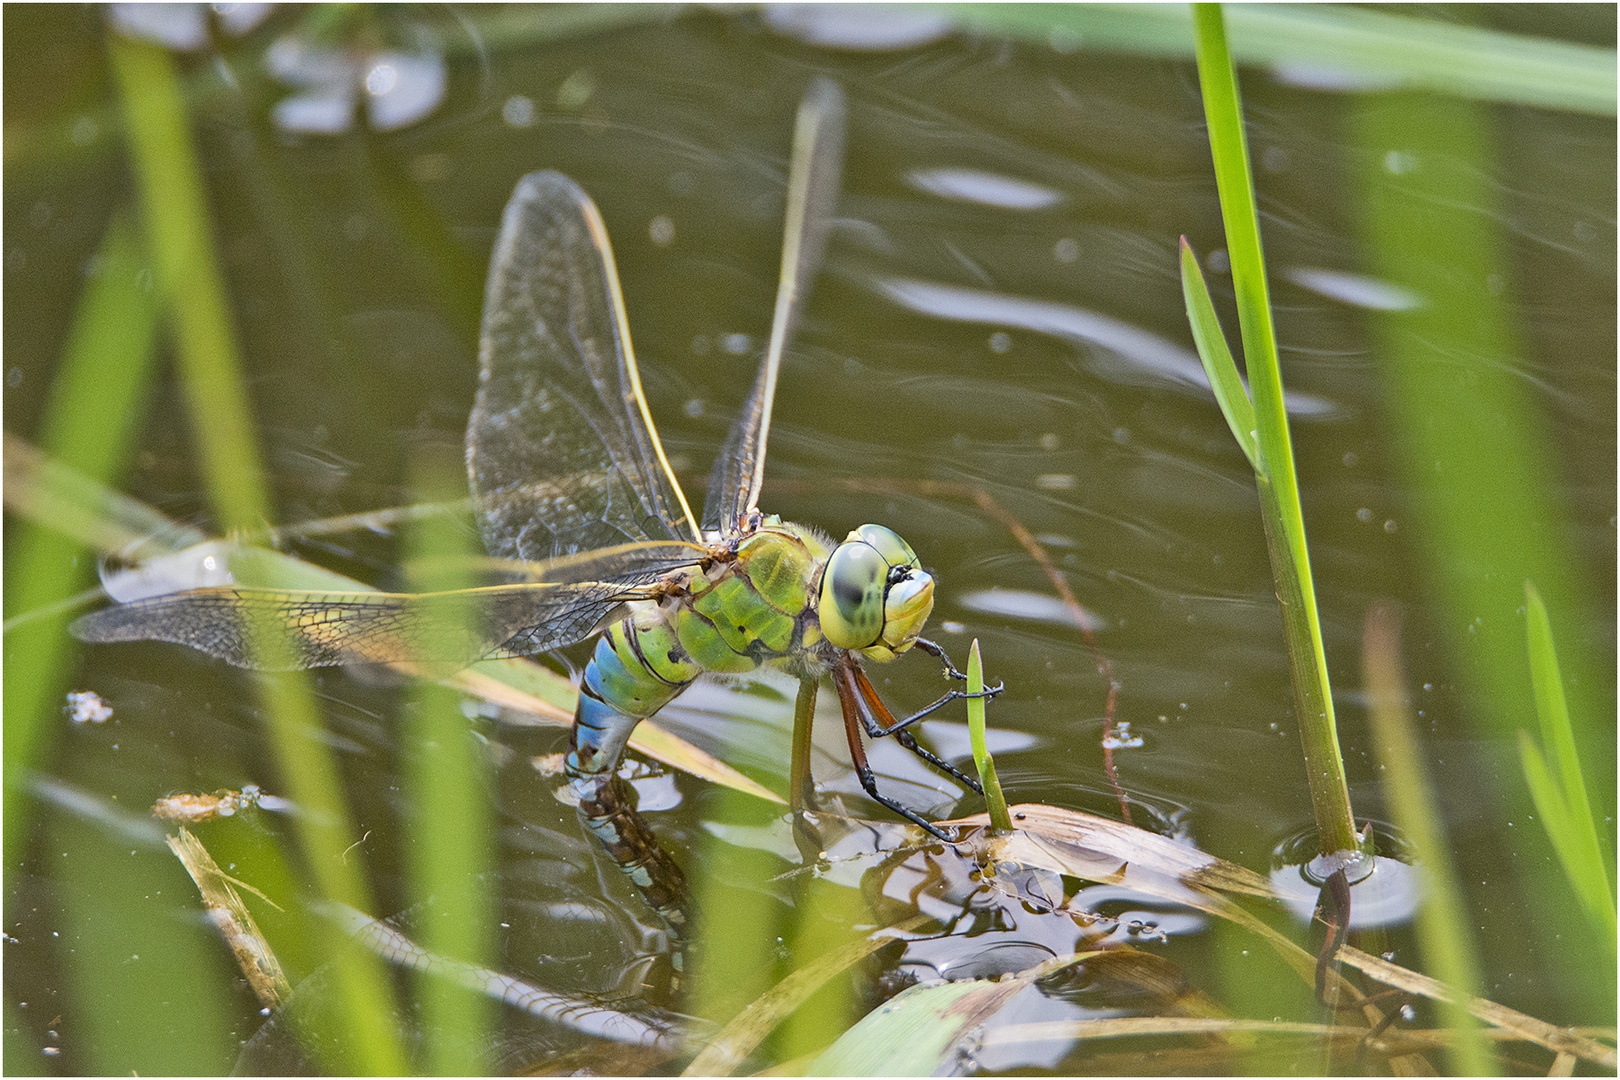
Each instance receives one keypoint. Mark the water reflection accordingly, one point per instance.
(985, 188)
(397, 89)
(1128, 353)
(862, 27)
(1357, 290)
(184, 26)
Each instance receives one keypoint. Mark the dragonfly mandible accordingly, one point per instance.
(577, 501)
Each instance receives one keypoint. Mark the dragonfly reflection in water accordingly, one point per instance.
(578, 506)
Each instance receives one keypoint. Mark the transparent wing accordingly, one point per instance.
(813, 180)
(562, 455)
(282, 628)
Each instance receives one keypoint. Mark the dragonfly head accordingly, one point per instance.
(875, 595)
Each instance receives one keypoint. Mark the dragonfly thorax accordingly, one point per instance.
(787, 596)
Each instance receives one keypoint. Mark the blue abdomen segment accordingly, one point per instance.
(632, 674)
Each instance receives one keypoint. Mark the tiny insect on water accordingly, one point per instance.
(581, 512)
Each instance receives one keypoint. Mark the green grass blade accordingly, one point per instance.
(1277, 481)
(1548, 797)
(1566, 813)
(995, 800)
(132, 966)
(1230, 393)
(1551, 706)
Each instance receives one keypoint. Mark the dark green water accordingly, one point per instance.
(999, 308)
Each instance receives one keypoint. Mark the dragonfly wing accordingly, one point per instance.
(562, 454)
(813, 180)
(274, 629)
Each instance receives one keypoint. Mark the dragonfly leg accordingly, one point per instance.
(856, 713)
(938, 653)
(880, 723)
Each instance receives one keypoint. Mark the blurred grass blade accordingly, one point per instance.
(96, 404)
(176, 217)
(47, 492)
(1566, 813)
(450, 862)
(1480, 452)
(96, 401)
(176, 221)
(1443, 920)
(108, 522)
(995, 800)
(1351, 45)
(1278, 483)
(1230, 393)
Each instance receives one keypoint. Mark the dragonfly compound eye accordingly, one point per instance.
(875, 596)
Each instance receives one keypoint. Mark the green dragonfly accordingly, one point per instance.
(589, 531)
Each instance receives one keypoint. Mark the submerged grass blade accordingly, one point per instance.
(995, 800)
(231, 917)
(1566, 813)
(1278, 484)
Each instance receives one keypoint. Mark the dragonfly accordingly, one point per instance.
(589, 531)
